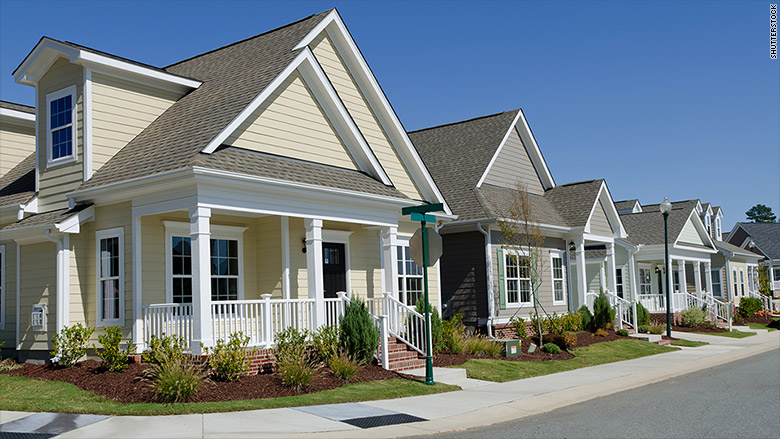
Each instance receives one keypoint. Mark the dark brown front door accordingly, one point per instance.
(334, 268)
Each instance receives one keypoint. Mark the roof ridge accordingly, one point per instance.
(246, 39)
(579, 182)
(462, 121)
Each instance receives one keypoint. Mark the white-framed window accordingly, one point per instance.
(410, 276)
(517, 272)
(226, 248)
(619, 281)
(734, 281)
(645, 281)
(558, 278)
(110, 267)
(676, 280)
(717, 288)
(2, 286)
(776, 274)
(61, 126)
(708, 224)
(742, 282)
(718, 234)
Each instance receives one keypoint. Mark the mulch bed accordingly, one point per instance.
(756, 319)
(128, 387)
(697, 328)
(443, 359)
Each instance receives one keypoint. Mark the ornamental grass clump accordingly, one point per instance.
(343, 366)
(230, 360)
(294, 361)
(359, 337)
(175, 379)
(481, 345)
(454, 334)
(656, 329)
(70, 344)
(114, 357)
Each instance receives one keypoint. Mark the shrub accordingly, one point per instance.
(622, 332)
(642, 315)
(165, 347)
(693, 317)
(565, 341)
(293, 362)
(436, 324)
(555, 324)
(521, 328)
(657, 329)
(481, 345)
(572, 321)
(230, 360)
(603, 313)
(8, 364)
(114, 358)
(174, 379)
(70, 344)
(586, 317)
(551, 348)
(601, 333)
(326, 342)
(359, 337)
(749, 306)
(536, 322)
(453, 334)
(644, 329)
(343, 366)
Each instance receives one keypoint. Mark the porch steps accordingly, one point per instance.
(652, 338)
(401, 357)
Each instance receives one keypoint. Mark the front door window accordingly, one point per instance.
(334, 268)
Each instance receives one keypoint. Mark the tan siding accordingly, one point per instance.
(39, 284)
(599, 224)
(153, 258)
(8, 265)
(292, 124)
(80, 278)
(690, 235)
(120, 111)
(513, 166)
(16, 143)
(268, 236)
(364, 118)
(57, 181)
(299, 288)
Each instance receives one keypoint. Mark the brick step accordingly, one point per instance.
(403, 356)
(407, 365)
(394, 349)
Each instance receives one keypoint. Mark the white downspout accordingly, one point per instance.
(61, 293)
(489, 272)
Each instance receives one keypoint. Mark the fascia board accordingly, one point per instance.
(493, 159)
(72, 223)
(377, 101)
(97, 60)
(605, 195)
(17, 117)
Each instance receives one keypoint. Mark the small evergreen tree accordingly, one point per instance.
(359, 337)
(603, 313)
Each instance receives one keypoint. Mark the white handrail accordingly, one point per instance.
(405, 323)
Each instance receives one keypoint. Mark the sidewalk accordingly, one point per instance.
(480, 403)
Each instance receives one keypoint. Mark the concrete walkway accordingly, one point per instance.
(480, 403)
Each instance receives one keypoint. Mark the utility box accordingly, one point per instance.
(512, 348)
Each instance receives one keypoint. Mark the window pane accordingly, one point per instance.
(511, 291)
(525, 291)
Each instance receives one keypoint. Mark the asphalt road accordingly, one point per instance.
(736, 400)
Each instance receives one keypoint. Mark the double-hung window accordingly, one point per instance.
(676, 281)
(559, 289)
(645, 281)
(776, 274)
(518, 279)
(717, 291)
(61, 126)
(619, 282)
(225, 267)
(110, 276)
(742, 282)
(734, 281)
(410, 277)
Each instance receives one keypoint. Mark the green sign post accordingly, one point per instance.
(419, 213)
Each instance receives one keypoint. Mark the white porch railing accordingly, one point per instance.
(657, 302)
(168, 319)
(405, 323)
(766, 301)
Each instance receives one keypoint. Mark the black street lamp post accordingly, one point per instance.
(666, 208)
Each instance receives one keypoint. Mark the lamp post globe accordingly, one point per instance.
(666, 208)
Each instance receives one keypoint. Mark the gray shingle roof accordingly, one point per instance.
(734, 249)
(648, 227)
(17, 186)
(232, 77)
(675, 204)
(46, 218)
(496, 200)
(283, 168)
(18, 107)
(766, 236)
(625, 204)
(457, 155)
(574, 201)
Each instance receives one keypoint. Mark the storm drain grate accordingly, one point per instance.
(21, 435)
(379, 421)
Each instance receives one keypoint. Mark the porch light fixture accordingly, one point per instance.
(666, 208)
(303, 245)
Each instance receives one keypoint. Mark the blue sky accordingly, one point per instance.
(676, 99)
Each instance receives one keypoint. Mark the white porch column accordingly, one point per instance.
(611, 271)
(634, 287)
(708, 277)
(389, 261)
(200, 245)
(315, 277)
(681, 275)
(582, 286)
(285, 225)
(138, 327)
(697, 278)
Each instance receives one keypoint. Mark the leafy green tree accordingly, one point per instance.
(760, 214)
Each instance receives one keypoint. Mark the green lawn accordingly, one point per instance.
(731, 334)
(760, 326)
(29, 395)
(595, 354)
(688, 343)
